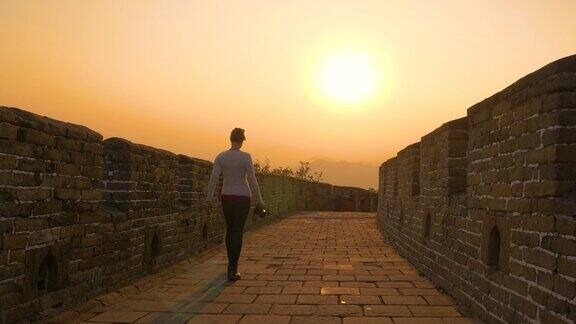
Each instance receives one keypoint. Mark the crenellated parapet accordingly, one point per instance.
(80, 216)
(493, 219)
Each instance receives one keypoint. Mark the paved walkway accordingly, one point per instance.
(308, 268)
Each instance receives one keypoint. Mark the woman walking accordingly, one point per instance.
(239, 185)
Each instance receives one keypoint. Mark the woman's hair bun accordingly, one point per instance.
(237, 135)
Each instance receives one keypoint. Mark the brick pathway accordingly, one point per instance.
(308, 268)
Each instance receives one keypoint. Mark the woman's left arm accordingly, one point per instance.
(252, 181)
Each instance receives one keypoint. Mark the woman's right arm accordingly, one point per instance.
(216, 170)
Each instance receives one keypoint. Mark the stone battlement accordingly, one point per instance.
(485, 205)
(80, 216)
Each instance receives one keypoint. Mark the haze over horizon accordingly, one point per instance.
(179, 75)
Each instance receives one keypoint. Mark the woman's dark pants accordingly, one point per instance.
(235, 213)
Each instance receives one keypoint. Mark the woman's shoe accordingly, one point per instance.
(234, 276)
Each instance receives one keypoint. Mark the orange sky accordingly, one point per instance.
(179, 75)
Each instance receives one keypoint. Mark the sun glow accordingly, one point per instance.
(348, 77)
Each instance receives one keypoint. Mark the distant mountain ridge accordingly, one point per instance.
(344, 173)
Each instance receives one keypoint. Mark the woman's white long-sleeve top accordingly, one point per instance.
(239, 176)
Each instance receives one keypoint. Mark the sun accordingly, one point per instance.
(348, 77)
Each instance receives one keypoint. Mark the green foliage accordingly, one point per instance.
(303, 171)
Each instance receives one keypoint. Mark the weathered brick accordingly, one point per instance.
(560, 245)
(525, 238)
(8, 131)
(567, 267)
(540, 258)
(14, 241)
(34, 193)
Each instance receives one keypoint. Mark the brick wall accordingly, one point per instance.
(493, 221)
(49, 174)
(203, 223)
(80, 216)
(353, 199)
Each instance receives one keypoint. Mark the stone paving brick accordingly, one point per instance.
(272, 277)
(385, 310)
(285, 283)
(247, 309)
(233, 290)
(460, 320)
(194, 296)
(367, 320)
(214, 319)
(339, 291)
(297, 270)
(385, 272)
(301, 290)
(294, 309)
(148, 305)
(276, 299)
(416, 320)
(434, 311)
(372, 278)
(259, 319)
(339, 266)
(423, 284)
(403, 300)
(359, 300)
(316, 299)
(321, 284)
(354, 272)
(406, 278)
(291, 272)
(340, 310)
(419, 292)
(304, 278)
(338, 278)
(439, 300)
(250, 283)
(357, 284)
(379, 291)
(263, 290)
(235, 298)
(172, 318)
(181, 281)
(315, 320)
(203, 307)
(118, 316)
(185, 289)
(395, 284)
(322, 272)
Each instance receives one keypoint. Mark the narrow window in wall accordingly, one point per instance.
(427, 226)
(494, 247)
(204, 232)
(154, 250)
(47, 275)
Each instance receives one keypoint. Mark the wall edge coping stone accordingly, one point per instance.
(22, 118)
(118, 143)
(563, 65)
